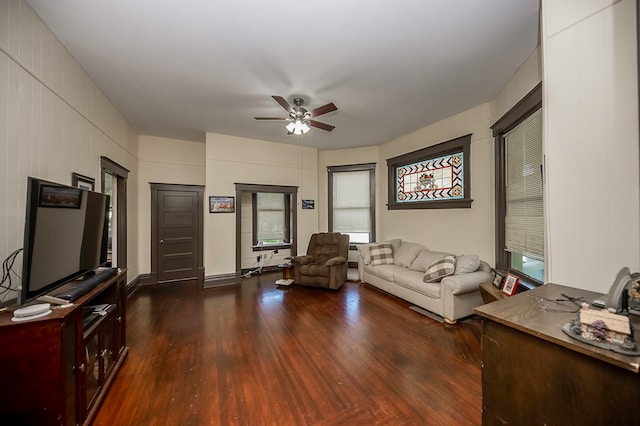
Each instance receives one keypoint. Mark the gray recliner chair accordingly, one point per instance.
(325, 264)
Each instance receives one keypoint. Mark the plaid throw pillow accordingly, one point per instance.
(440, 269)
(381, 254)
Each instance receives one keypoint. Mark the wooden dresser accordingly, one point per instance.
(534, 374)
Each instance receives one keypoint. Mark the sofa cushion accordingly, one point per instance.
(381, 254)
(413, 281)
(440, 269)
(385, 272)
(426, 258)
(467, 263)
(406, 254)
(365, 249)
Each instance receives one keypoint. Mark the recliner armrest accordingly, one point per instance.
(303, 260)
(334, 261)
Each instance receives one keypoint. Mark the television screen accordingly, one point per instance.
(65, 235)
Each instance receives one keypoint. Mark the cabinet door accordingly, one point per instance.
(70, 360)
(108, 350)
(92, 376)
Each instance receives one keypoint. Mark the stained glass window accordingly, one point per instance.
(433, 177)
(439, 178)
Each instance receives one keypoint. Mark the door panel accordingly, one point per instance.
(178, 233)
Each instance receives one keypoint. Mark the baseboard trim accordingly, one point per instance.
(222, 280)
(132, 287)
(145, 279)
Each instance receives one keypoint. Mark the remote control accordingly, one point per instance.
(599, 303)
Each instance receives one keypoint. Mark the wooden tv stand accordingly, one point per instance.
(58, 368)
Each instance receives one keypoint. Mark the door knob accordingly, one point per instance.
(161, 241)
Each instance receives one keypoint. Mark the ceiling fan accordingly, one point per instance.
(300, 119)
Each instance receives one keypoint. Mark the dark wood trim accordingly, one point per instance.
(516, 115)
(199, 190)
(121, 212)
(452, 146)
(520, 111)
(133, 286)
(145, 279)
(114, 168)
(283, 246)
(241, 188)
(439, 204)
(222, 280)
(122, 174)
(372, 192)
(254, 218)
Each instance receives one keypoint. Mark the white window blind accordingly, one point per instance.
(524, 224)
(351, 203)
(271, 217)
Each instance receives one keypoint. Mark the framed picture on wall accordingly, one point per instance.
(83, 182)
(219, 204)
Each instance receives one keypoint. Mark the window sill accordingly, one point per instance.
(278, 246)
(443, 204)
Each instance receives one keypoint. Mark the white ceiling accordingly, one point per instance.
(179, 69)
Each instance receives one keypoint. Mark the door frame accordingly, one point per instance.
(199, 189)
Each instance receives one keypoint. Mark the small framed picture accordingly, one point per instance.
(83, 182)
(510, 284)
(498, 279)
(308, 204)
(222, 204)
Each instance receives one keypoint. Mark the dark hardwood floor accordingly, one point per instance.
(260, 355)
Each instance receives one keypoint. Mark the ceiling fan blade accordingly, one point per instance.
(283, 103)
(323, 109)
(323, 126)
(270, 118)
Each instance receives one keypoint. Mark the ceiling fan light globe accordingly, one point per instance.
(304, 128)
(290, 127)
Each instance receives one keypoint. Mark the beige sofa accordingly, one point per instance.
(401, 268)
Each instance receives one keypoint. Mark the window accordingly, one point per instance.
(434, 177)
(114, 183)
(271, 219)
(351, 193)
(519, 189)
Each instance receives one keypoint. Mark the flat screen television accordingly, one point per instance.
(65, 236)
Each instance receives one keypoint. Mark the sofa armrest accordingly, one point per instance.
(334, 261)
(465, 283)
(303, 260)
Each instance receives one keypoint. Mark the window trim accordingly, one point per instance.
(249, 187)
(459, 144)
(371, 167)
(531, 103)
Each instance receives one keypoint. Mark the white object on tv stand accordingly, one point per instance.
(55, 300)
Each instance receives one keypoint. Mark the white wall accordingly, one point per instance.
(521, 82)
(163, 160)
(459, 231)
(53, 121)
(231, 160)
(590, 141)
